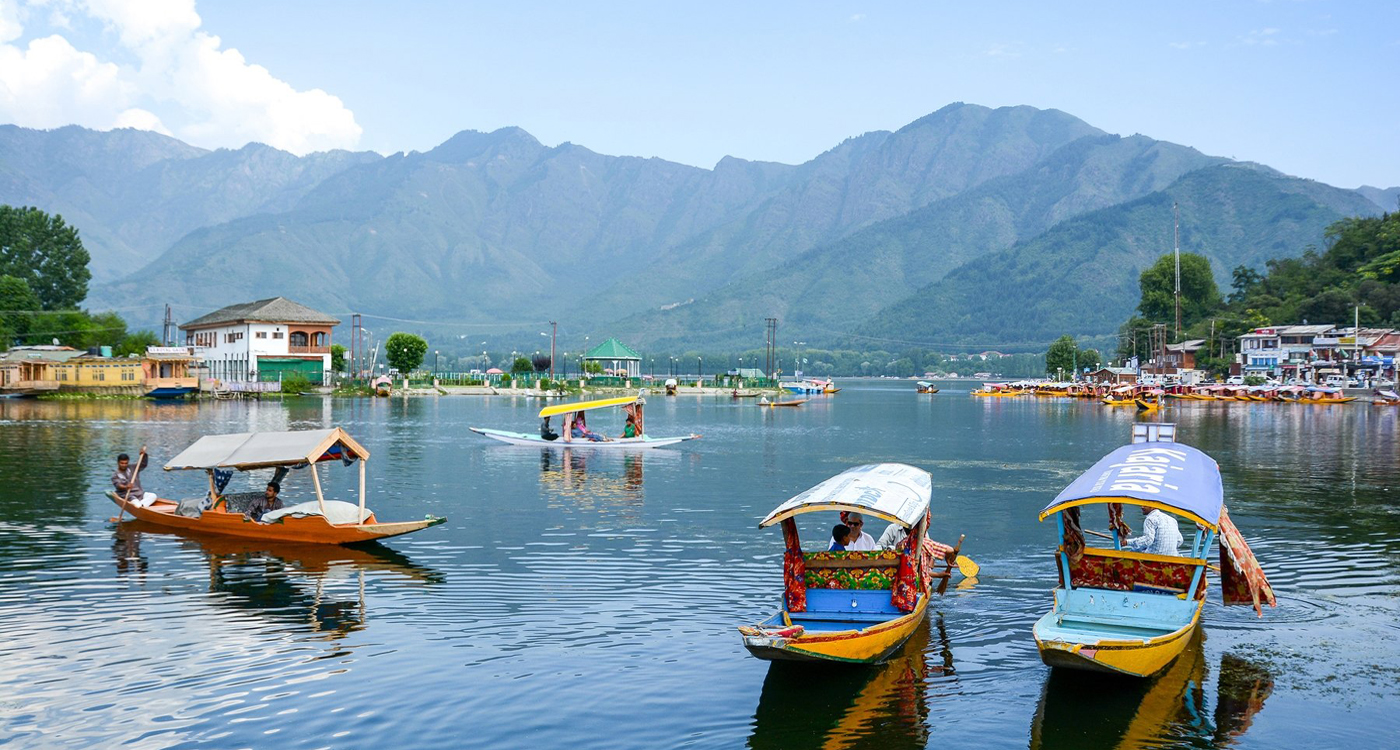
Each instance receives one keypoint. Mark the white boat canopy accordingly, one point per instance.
(257, 450)
(895, 492)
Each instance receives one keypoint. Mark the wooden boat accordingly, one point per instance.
(633, 405)
(1325, 396)
(744, 394)
(926, 387)
(793, 402)
(998, 390)
(1149, 401)
(855, 606)
(383, 386)
(320, 522)
(1133, 613)
(1386, 398)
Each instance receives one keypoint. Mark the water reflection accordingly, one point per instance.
(834, 707)
(308, 585)
(1080, 709)
(591, 476)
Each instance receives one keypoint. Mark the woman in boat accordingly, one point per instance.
(580, 430)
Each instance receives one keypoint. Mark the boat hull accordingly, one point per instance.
(865, 646)
(306, 530)
(171, 392)
(1142, 657)
(521, 438)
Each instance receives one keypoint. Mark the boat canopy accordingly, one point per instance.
(258, 450)
(895, 492)
(1174, 477)
(602, 403)
(924, 383)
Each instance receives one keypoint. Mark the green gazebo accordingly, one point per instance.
(616, 356)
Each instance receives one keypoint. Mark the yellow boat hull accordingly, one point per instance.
(873, 644)
(1138, 658)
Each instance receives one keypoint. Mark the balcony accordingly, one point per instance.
(308, 350)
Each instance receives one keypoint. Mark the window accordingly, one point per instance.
(260, 335)
(277, 334)
(297, 339)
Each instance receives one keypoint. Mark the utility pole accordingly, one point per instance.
(167, 334)
(355, 347)
(553, 334)
(1176, 250)
(770, 350)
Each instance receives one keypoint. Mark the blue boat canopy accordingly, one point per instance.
(1174, 477)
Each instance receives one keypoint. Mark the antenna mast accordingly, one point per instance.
(1176, 250)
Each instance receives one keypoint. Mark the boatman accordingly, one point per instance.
(1160, 535)
(126, 480)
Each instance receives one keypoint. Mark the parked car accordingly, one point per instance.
(1335, 381)
(1235, 380)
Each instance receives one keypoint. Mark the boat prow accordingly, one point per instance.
(1140, 647)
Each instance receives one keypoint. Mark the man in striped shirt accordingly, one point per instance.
(1160, 535)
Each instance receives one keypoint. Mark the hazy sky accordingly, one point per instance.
(1307, 87)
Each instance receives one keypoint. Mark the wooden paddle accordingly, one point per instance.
(967, 567)
(136, 472)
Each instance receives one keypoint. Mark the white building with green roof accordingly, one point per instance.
(616, 356)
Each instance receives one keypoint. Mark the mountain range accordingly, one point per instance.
(970, 227)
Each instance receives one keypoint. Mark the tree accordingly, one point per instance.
(405, 351)
(338, 361)
(540, 362)
(46, 253)
(16, 301)
(1061, 355)
(136, 343)
(1199, 295)
(522, 364)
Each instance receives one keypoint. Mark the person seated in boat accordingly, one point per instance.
(1160, 534)
(893, 537)
(580, 430)
(630, 429)
(126, 480)
(840, 535)
(268, 502)
(546, 432)
(859, 541)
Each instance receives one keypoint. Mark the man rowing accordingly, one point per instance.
(127, 480)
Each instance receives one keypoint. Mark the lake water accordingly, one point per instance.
(589, 600)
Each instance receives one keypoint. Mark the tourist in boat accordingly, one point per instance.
(859, 541)
(546, 432)
(580, 430)
(840, 535)
(893, 537)
(267, 503)
(1160, 534)
(127, 479)
(630, 429)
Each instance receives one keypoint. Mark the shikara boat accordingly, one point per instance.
(383, 386)
(926, 387)
(1128, 612)
(1149, 401)
(1386, 398)
(633, 405)
(855, 606)
(1318, 395)
(320, 521)
(793, 402)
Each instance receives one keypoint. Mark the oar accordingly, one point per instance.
(136, 472)
(967, 567)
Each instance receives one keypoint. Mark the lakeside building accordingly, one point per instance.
(1183, 356)
(616, 357)
(36, 370)
(1113, 376)
(263, 340)
(1310, 353)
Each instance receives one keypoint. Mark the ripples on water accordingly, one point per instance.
(588, 600)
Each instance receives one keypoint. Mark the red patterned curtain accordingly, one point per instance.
(794, 570)
(1242, 580)
(909, 576)
(1116, 522)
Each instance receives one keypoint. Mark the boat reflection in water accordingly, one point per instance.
(883, 705)
(318, 586)
(588, 476)
(1085, 709)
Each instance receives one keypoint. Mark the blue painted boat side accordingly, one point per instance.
(171, 392)
(1086, 615)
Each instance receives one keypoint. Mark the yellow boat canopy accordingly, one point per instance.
(603, 403)
(895, 492)
(259, 450)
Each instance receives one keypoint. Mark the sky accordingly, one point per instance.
(1305, 86)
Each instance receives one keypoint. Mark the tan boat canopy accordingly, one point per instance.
(895, 492)
(258, 450)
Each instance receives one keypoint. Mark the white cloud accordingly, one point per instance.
(1012, 49)
(858, 17)
(1261, 37)
(183, 82)
(1187, 45)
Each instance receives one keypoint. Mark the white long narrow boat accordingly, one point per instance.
(630, 404)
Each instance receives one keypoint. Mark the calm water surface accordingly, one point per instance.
(586, 600)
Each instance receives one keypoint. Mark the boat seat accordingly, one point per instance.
(872, 570)
(835, 604)
(239, 502)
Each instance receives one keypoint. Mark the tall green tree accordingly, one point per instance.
(136, 343)
(338, 361)
(1199, 295)
(405, 351)
(46, 253)
(1060, 357)
(17, 304)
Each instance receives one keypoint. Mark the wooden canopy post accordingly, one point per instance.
(320, 498)
(362, 490)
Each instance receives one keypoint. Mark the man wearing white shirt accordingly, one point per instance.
(860, 541)
(1160, 535)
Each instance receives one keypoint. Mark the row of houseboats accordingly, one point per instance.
(1129, 394)
(1115, 609)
